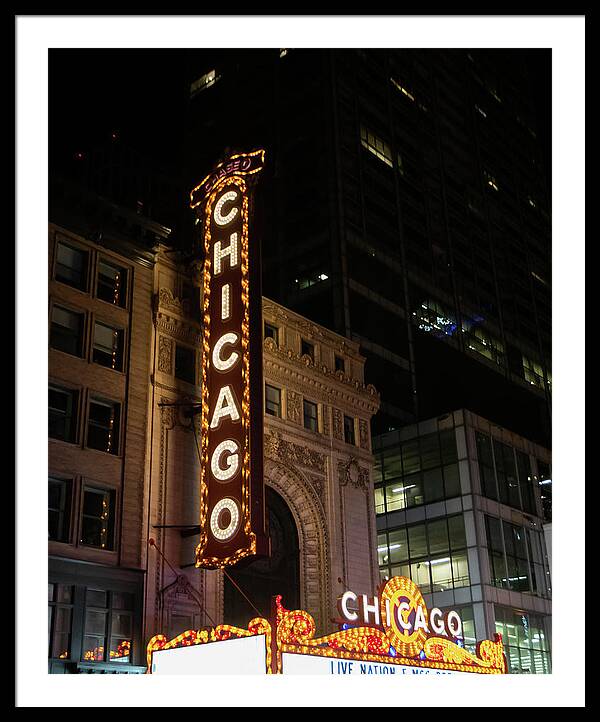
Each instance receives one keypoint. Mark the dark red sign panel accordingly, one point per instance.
(231, 476)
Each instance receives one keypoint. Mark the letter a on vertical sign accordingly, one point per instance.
(232, 513)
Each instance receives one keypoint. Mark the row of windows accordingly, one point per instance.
(310, 413)
(67, 334)
(72, 266)
(306, 347)
(107, 628)
(92, 524)
(505, 474)
(102, 419)
(420, 471)
(433, 554)
(525, 641)
(516, 558)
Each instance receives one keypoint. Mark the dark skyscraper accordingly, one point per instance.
(406, 206)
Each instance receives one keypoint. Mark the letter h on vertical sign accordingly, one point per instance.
(232, 512)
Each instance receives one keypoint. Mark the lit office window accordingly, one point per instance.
(533, 372)
(108, 346)
(545, 485)
(272, 401)
(203, 82)
(432, 554)
(490, 180)
(71, 266)
(403, 90)
(375, 145)
(483, 343)
(111, 284)
(526, 644)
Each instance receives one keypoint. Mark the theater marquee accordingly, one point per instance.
(231, 476)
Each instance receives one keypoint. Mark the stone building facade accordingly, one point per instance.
(321, 466)
(124, 366)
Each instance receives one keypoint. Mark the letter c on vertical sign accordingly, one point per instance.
(342, 605)
(221, 364)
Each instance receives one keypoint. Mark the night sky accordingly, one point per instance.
(141, 95)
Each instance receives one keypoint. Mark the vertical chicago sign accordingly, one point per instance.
(232, 514)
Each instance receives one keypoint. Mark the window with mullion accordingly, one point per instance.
(59, 509)
(71, 266)
(108, 346)
(108, 624)
(97, 518)
(111, 284)
(62, 413)
(310, 415)
(272, 401)
(103, 425)
(60, 618)
(66, 331)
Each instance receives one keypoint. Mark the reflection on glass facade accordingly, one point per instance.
(516, 558)
(417, 472)
(505, 474)
(526, 642)
(432, 554)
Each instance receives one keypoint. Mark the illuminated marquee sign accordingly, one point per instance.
(401, 638)
(231, 484)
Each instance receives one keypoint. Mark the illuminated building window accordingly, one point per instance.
(544, 480)
(310, 415)
(97, 518)
(490, 180)
(526, 643)
(59, 509)
(531, 202)
(111, 285)
(272, 332)
(108, 619)
(103, 425)
(420, 471)
(431, 317)
(375, 145)
(185, 364)
(62, 413)
(107, 347)
(516, 557)
(307, 349)
(272, 401)
(60, 616)
(481, 111)
(283, 52)
(483, 343)
(340, 364)
(433, 554)
(533, 372)
(66, 330)
(311, 280)
(71, 266)
(349, 435)
(403, 90)
(203, 82)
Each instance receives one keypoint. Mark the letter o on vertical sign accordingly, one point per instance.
(231, 480)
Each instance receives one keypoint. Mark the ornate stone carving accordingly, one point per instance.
(318, 484)
(165, 355)
(167, 300)
(363, 434)
(338, 425)
(351, 473)
(294, 407)
(325, 420)
(279, 449)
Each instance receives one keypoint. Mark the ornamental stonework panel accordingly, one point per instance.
(280, 449)
(363, 430)
(165, 355)
(338, 426)
(294, 407)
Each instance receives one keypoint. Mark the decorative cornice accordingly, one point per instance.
(171, 303)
